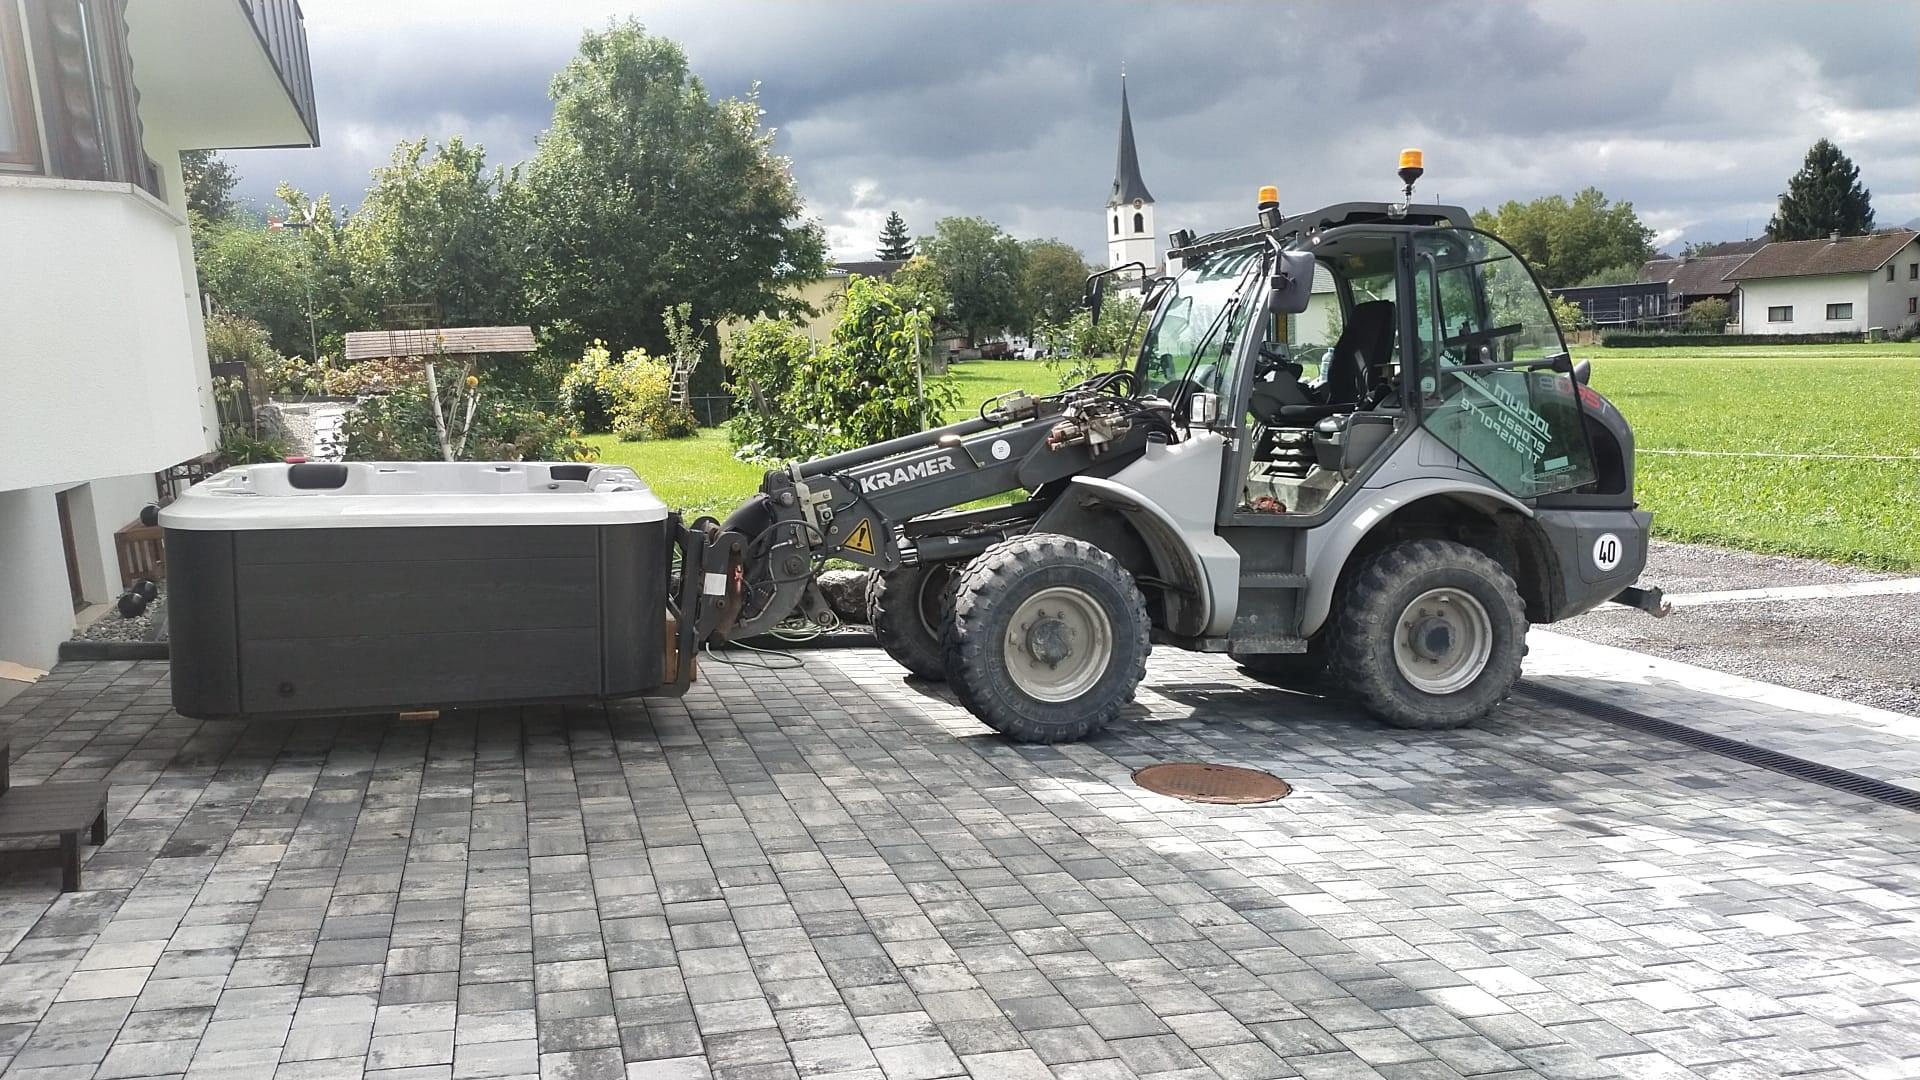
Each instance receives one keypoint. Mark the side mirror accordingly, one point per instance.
(1583, 372)
(1096, 297)
(1291, 289)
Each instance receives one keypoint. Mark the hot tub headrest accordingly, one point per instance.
(316, 475)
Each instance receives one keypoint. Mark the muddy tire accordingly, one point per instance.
(1048, 638)
(908, 608)
(1428, 634)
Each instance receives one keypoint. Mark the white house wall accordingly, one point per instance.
(1809, 297)
(1887, 300)
(102, 367)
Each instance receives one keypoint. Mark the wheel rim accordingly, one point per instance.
(932, 600)
(1443, 640)
(1059, 643)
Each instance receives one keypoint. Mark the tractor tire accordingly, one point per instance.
(1428, 634)
(907, 609)
(1048, 638)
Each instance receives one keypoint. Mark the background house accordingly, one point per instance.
(1841, 284)
(1690, 279)
(103, 367)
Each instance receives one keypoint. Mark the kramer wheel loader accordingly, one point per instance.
(1351, 452)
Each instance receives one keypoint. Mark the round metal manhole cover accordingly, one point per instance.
(1197, 781)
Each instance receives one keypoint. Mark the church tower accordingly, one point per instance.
(1129, 218)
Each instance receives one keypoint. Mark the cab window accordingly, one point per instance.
(1485, 338)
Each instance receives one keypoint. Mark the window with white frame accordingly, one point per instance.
(1837, 312)
(1781, 313)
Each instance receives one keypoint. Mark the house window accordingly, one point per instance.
(1139, 223)
(1889, 271)
(1913, 305)
(19, 143)
(82, 83)
(1839, 311)
(1913, 271)
(1116, 224)
(1780, 314)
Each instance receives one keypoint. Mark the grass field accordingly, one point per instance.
(1851, 401)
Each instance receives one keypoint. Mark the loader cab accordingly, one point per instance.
(1410, 325)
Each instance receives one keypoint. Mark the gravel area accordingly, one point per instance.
(150, 625)
(1858, 648)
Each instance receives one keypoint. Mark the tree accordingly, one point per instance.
(895, 244)
(980, 267)
(867, 385)
(209, 181)
(1824, 197)
(647, 192)
(438, 230)
(1566, 241)
(1612, 275)
(1053, 282)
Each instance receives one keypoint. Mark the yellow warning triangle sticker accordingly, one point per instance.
(862, 538)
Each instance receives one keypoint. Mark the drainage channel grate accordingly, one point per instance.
(1799, 768)
(1199, 782)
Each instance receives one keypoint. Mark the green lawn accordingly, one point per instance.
(1781, 399)
(1845, 400)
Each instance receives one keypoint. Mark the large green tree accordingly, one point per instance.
(896, 244)
(209, 180)
(647, 192)
(1824, 197)
(1569, 240)
(1052, 283)
(437, 230)
(982, 270)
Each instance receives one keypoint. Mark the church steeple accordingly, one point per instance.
(1127, 185)
(1129, 213)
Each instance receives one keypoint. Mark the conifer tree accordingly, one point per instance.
(895, 244)
(1825, 196)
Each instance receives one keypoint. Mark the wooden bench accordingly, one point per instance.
(46, 809)
(142, 552)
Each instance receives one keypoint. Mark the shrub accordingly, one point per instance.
(763, 360)
(586, 391)
(235, 338)
(1907, 331)
(238, 446)
(1092, 348)
(868, 385)
(1707, 316)
(1567, 314)
(1630, 339)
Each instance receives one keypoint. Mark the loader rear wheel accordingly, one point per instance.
(1048, 638)
(1429, 634)
(908, 608)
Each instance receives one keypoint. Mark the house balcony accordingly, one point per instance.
(223, 74)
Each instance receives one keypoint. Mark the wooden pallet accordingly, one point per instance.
(63, 809)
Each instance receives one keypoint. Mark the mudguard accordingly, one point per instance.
(1329, 545)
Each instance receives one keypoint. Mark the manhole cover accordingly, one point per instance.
(1197, 781)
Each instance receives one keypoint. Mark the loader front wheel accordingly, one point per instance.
(907, 608)
(1048, 638)
(1429, 634)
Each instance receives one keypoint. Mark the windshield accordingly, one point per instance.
(1190, 324)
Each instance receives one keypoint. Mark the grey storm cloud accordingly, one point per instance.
(1695, 112)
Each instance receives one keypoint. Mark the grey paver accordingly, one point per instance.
(830, 872)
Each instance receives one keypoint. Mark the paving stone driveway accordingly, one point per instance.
(826, 871)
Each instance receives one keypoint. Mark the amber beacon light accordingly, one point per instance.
(1412, 167)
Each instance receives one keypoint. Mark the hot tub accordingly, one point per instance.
(382, 586)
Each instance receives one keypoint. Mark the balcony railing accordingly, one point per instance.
(282, 30)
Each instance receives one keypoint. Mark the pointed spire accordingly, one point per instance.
(1127, 185)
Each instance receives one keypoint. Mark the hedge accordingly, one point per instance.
(1624, 339)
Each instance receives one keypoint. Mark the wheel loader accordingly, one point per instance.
(1351, 452)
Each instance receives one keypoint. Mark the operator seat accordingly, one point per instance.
(1365, 346)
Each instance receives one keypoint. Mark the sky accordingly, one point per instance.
(1695, 112)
